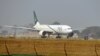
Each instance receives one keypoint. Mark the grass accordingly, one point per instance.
(51, 47)
(21, 55)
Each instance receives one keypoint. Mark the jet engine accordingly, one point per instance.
(45, 34)
(42, 33)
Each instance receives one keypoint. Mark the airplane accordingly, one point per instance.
(47, 30)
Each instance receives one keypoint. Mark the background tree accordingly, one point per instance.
(77, 32)
(4, 32)
(0, 27)
(56, 23)
(93, 31)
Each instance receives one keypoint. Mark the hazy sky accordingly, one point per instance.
(76, 13)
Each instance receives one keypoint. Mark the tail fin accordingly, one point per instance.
(35, 19)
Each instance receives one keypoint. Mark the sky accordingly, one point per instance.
(78, 14)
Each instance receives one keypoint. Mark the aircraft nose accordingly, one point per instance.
(70, 30)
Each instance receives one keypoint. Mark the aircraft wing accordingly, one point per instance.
(26, 28)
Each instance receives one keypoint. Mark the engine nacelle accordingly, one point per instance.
(41, 33)
(44, 33)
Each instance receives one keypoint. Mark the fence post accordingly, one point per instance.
(7, 49)
(96, 50)
(65, 49)
(35, 50)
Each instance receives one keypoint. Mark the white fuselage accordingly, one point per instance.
(61, 29)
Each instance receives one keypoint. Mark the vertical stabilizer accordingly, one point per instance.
(35, 19)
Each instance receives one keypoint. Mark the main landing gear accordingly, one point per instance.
(46, 34)
(58, 36)
(70, 35)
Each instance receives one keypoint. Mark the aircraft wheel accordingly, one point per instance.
(70, 35)
(58, 36)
